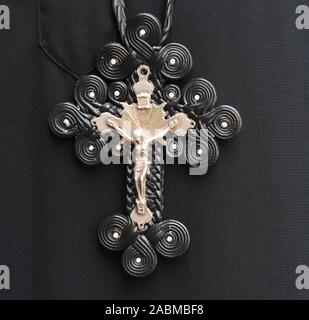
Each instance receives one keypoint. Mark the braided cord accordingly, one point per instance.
(168, 22)
(121, 20)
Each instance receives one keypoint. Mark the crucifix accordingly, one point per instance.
(143, 124)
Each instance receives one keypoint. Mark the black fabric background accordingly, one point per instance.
(248, 217)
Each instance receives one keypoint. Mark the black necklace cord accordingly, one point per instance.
(168, 21)
(121, 20)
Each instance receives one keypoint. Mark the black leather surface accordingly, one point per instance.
(248, 218)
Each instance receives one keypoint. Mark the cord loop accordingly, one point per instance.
(121, 20)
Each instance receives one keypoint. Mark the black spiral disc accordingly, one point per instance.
(118, 91)
(62, 120)
(170, 238)
(200, 91)
(116, 232)
(177, 61)
(172, 94)
(90, 89)
(115, 62)
(225, 123)
(139, 259)
(144, 27)
(88, 150)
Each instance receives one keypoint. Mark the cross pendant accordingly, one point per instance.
(133, 94)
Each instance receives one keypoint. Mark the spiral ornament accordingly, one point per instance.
(177, 61)
(88, 150)
(200, 91)
(118, 92)
(170, 238)
(224, 122)
(65, 120)
(143, 32)
(115, 62)
(139, 259)
(90, 91)
(116, 232)
(172, 94)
